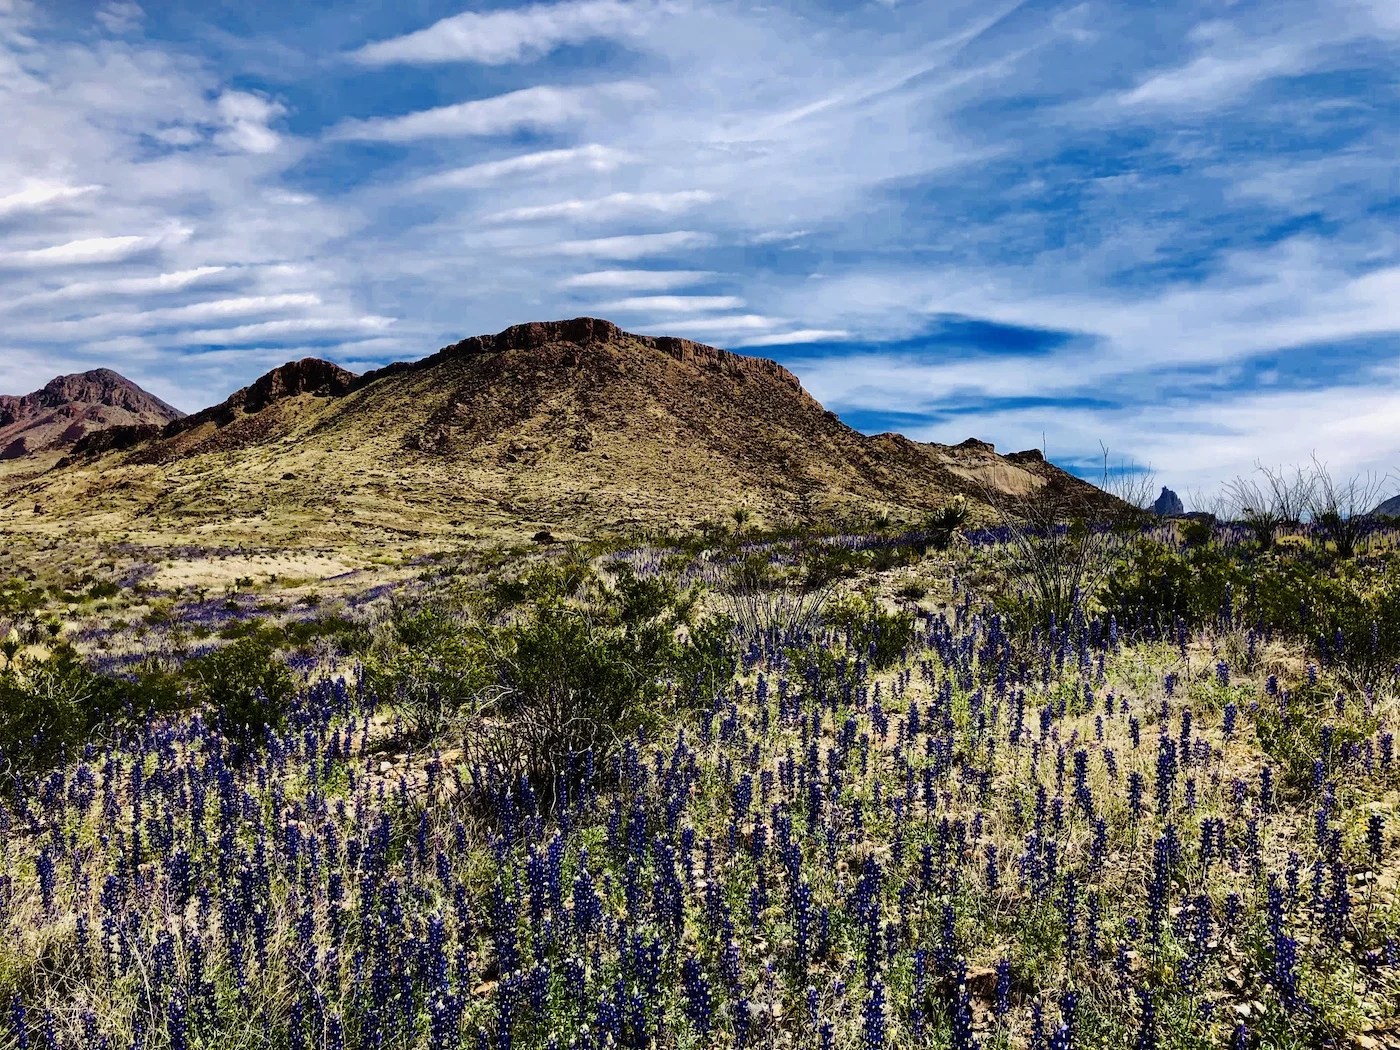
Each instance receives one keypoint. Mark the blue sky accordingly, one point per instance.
(1170, 228)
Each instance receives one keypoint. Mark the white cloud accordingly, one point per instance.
(1211, 80)
(265, 329)
(42, 195)
(639, 280)
(498, 37)
(590, 158)
(87, 250)
(96, 326)
(730, 324)
(539, 108)
(676, 303)
(120, 16)
(800, 335)
(602, 209)
(165, 282)
(631, 246)
(246, 117)
(778, 236)
(1196, 445)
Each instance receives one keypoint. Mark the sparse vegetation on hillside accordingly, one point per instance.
(747, 789)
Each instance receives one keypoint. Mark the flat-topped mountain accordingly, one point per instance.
(70, 407)
(574, 424)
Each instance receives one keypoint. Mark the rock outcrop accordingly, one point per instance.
(1168, 504)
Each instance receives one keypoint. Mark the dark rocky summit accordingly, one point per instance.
(1168, 504)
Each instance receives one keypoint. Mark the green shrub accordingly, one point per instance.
(246, 684)
(46, 708)
(872, 633)
(428, 662)
(541, 667)
(1159, 583)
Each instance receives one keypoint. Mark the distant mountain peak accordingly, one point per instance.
(310, 375)
(69, 407)
(1168, 503)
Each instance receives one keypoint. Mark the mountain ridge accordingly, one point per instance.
(574, 423)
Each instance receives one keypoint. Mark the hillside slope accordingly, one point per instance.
(575, 425)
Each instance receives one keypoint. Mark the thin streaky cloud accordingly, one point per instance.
(629, 246)
(499, 37)
(638, 280)
(87, 250)
(264, 329)
(613, 206)
(537, 108)
(165, 282)
(35, 198)
(590, 158)
(677, 303)
(728, 325)
(1213, 80)
(192, 314)
(800, 336)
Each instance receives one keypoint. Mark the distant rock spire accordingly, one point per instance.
(1168, 503)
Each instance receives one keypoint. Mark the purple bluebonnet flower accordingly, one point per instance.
(874, 1024)
(962, 1034)
(1002, 1004)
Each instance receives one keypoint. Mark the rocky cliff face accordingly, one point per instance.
(310, 375)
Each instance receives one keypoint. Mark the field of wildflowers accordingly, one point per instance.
(963, 823)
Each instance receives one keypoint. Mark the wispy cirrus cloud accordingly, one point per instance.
(37, 197)
(592, 159)
(84, 251)
(675, 303)
(512, 35)
(604, 209)
(1159, 227)
(117, 286)
(629, 246)
(639, 280)
(538, 108)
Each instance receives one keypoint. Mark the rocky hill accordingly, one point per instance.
(1390, 507)
(70, 408)
(575, 425)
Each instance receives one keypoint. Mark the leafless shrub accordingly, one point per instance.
(539, 742)
(1132, 485)
(1277, 498)
(1340, 508)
